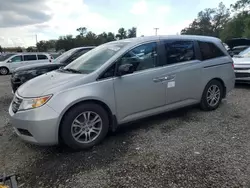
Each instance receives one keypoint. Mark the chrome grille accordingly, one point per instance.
(16, 103)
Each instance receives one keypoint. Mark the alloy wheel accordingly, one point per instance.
(213, 95)
(86, 127)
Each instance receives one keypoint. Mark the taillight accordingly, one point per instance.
(233, 65)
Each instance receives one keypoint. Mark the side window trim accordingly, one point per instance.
(195, 45)
(211, 43)
(17, 56)
(119, 58)
(197, 51)
(144, 43)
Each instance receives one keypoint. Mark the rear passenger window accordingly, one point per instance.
(209, 50)
(42, 57)
(29, 57)
(179, 51)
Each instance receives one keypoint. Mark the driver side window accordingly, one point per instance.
(17, 59)
(141, 58)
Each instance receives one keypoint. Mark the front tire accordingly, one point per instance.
(84, 126)
(212, 95)
(4, 71)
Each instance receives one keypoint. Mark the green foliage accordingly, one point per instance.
(219, 22)
(44, 46)
(209, 22)
(122, 34)
(30, 49)
(132, 32)
(88, 38)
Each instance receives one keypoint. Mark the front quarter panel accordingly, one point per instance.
(102, 91)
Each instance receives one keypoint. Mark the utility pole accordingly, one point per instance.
(36, 43)
(156, 29)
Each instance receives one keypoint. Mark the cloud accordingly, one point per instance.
(23, 12)
(139, 8)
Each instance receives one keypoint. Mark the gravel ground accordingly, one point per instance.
(184, 148)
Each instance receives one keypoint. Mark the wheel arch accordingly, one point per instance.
(223, 84)
(111, 116)
(6, 68)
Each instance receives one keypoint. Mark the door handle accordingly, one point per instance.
(160, 79)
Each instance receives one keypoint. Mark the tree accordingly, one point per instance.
(30, 49)
(1, 49)
(82, 31)
(241, 5)
(122, 34)
(209, 22)
(239, 25)
(132, 32)
(110, 37)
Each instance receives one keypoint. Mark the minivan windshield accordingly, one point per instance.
(5, 56)
(245, 53)
(65, 55)
(95, 58)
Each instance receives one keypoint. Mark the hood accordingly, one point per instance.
(43, 84)
(37, 66)
(238, 42)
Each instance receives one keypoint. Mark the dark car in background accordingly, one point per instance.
(23, 74)
(237, 45)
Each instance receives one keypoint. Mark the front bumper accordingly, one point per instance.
(38, 126)
(242, 75)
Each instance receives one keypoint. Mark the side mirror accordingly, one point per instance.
(125, 69)
(9, 61)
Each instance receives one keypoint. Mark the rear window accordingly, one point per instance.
(209, 50)
(41, 57)
(29, 57)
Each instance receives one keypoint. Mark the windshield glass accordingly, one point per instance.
(245, 53)
(65, 55)
(5, 56)
(95, 58)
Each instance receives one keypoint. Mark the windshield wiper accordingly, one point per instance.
(72, 70)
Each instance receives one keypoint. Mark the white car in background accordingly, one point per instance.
(9, 63)
(242, 66)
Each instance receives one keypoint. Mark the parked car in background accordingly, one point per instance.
(119, 82)
(242, 66)
(237, 45)
(236, 50)
(8, 65)
(23, 74)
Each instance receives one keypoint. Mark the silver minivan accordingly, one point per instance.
(11, 62)
(119, 82)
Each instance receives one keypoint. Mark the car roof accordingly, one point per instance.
(167, 37)
(84, 47)
(32, 53)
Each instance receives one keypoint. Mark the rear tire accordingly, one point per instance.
(212, 96)
(79, 122)
(4, 71)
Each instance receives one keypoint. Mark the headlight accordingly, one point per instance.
(30, 103)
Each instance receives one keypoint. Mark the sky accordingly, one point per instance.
(22, 20)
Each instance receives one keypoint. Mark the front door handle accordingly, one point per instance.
(165, 78)
(161, 79)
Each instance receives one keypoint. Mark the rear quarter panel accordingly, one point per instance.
(220, 68)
